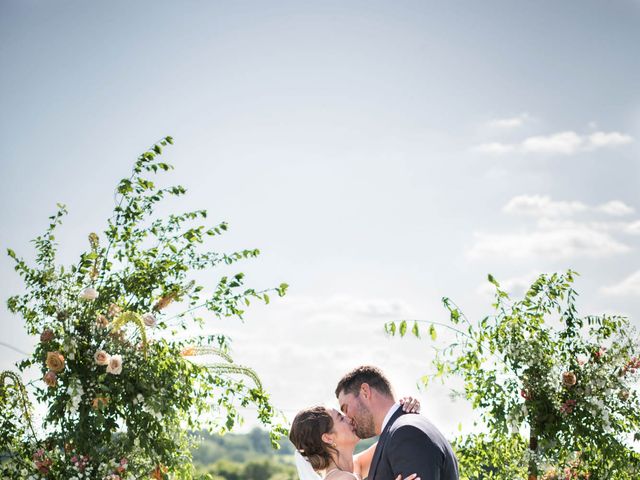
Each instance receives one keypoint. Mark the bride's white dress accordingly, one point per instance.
(306, 471)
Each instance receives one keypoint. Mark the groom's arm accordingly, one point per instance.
(410, 450)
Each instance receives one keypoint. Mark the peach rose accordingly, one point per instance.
(99, 403)
(115, 365)
(51, 379)
(55, 361)
(101, 357)
(102, 321)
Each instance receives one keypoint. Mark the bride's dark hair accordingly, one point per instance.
(306, 435)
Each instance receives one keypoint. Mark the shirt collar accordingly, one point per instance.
(391, 411)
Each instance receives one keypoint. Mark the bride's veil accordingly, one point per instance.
(305, 470)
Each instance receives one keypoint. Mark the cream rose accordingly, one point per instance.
(101, 357)
(89, 294)
(149, 320)
(115, 365)
(55, 361)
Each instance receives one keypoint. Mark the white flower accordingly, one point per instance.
(89, 294)
(115, 365)
(149, 319)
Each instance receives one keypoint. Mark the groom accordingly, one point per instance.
(408, 443)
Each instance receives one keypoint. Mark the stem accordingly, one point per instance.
(533, 446)
(460, 332)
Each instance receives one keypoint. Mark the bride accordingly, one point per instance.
(325, 440)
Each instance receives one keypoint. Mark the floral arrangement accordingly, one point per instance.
(535, 366)
(121, 391)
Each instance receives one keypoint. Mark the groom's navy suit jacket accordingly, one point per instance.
(412, 444)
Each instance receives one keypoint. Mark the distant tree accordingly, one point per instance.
(259, 470)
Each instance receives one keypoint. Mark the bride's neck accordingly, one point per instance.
(343, 461)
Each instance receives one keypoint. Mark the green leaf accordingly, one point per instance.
(390, 328)
(432, 332)
(415, 330)
(403, 328)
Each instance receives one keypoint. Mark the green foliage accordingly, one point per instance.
(484, 457)
(118, 390)
(571, 382)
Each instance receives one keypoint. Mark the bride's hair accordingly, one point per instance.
(306, 435)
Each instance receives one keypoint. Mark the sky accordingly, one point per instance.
(381, 154)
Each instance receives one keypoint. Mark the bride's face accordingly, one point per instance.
(343, 430)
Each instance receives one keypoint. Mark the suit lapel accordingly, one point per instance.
(381, 442)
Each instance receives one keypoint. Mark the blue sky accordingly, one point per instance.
(381, 155)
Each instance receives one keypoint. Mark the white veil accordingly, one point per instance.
(305, 470)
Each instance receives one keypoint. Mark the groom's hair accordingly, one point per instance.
(373, 376)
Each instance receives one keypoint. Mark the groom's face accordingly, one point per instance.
(355, 408)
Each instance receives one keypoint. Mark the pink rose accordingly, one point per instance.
(46, 336)
(51, 379)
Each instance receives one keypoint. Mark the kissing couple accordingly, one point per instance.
(410, 447)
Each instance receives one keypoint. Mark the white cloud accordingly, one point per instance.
(630, 286)
(495, 148)
(561, 243)
(608, 139)
(512, 122)
(542, 205)
(562, 143)
(566, 143)
(615, 208)
(556, 233)
(632, 228)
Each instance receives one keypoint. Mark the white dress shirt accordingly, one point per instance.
(390, 413)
